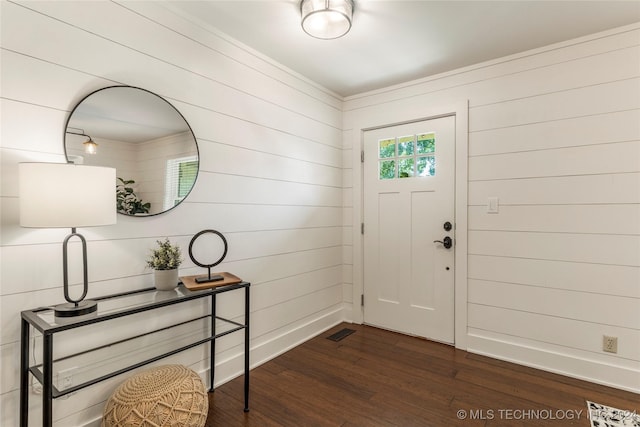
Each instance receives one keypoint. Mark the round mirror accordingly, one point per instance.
(144, 138)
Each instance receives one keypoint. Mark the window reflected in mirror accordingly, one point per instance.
(180, 178)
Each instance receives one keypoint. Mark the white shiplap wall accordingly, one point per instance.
(270, 177)
(555, 135)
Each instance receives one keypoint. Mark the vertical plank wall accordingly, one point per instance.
(555, 135)
(270, 178)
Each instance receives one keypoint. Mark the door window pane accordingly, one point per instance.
(426, 166)
(426, 143)
(405, 145)
(405, 167)
(387, 148)
(387, 169)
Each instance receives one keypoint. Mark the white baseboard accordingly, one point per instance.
(556, 361)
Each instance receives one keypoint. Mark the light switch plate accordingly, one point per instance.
(493, 205)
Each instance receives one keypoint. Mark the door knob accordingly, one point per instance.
(446, 242)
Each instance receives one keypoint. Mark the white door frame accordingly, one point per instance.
(391, 117)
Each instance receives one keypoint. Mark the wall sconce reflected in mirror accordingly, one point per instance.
(90, 146)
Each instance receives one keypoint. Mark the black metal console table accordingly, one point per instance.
(207, 329)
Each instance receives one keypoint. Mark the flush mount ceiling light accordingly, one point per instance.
(326, 19)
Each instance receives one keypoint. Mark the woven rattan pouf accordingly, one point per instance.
(170, 395)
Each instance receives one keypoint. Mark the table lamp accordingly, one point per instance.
(54, 195)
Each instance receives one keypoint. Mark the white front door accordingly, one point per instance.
(409, 180)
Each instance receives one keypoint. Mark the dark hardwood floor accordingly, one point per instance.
(379, 378)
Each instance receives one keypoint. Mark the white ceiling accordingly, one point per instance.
(394, 41)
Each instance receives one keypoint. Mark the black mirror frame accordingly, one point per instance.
(195, 140)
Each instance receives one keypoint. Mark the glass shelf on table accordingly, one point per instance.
(121, 303)
(90, 367)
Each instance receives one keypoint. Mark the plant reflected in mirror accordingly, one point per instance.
(127, 201)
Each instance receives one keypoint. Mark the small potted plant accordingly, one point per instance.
(164, 260)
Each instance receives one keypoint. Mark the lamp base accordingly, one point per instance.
(72, 309)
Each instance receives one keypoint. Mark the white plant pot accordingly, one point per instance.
(165, 280)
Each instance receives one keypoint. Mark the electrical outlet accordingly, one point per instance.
(65, 378)
(609, 344)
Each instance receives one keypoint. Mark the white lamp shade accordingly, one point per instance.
(66, 195)
(326, 19)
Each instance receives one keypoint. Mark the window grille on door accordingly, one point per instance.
(408, 156)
